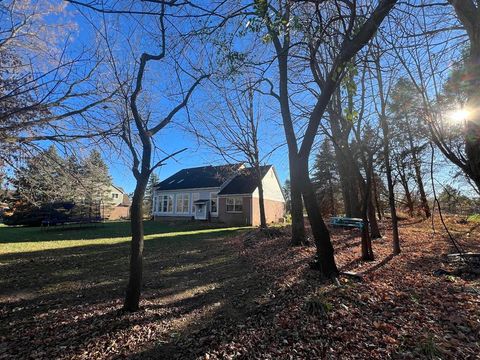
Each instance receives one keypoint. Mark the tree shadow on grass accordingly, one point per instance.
(69, 298)
(108, 230)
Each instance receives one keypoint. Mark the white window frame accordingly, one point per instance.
(166, 199)
(234, 201)
(214, 196)
(185, 207)
(195, 197)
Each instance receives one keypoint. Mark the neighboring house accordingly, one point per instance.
(117, 203)
(226, 193)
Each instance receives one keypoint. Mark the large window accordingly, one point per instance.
(166, 203)
(195, 196)
(183, 203)
(234, 204)
(213, 203)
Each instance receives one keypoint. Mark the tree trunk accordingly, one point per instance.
(418, 172)
(406, 188)
(298, 222)
(332, 198)
(391, 190)
(325, 261)
(374, 229)
(134, 287)
(261, 200)
(367, 210)
(344, 159)
(298, 225)
(421, 189)
(469, 15)
(377, 200)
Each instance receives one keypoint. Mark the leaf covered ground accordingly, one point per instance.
(236, 294)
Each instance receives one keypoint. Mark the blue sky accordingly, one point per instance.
(173, 138)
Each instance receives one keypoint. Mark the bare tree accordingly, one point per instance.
(231, 129)
(381, 110)
(139, 125)
(468, 13)
(336, 31)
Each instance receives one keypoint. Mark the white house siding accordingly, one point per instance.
(271, 187)
(194, 194)
(114, 196)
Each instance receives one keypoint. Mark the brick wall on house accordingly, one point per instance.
(118, 212)
(274, 211)
(235, 219)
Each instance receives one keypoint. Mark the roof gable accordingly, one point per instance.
(245, 182)
(199, 177)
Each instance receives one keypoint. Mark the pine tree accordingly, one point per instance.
(96, 179)
(148, 200)
(326, 179)
(48, 177)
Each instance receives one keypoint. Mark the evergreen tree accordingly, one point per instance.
(42, 178)
(325, 179)
(47, 177)
(148, 200)
(96, 179)
(287, 193)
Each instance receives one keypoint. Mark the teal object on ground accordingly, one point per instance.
(346, 222)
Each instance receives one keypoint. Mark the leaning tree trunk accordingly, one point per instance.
(325, 261)
(134, 287)
(421, 189)
(406, 188)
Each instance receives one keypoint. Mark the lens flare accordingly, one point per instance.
(459, 115)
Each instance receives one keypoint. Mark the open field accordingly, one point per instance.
(230, 293)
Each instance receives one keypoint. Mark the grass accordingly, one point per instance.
(474, 218)
(59, 276)
(36, 261)
(31, 239)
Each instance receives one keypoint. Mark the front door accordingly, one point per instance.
(201, 211)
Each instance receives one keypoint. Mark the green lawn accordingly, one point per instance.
(31, 239)
(63, 288)
(37, 263)
(52, 282)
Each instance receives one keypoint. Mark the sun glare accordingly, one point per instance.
(459, 115)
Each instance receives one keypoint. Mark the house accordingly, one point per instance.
(225, 193)
(117, 203)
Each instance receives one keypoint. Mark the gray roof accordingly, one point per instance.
(199, 177)
(245, 182)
